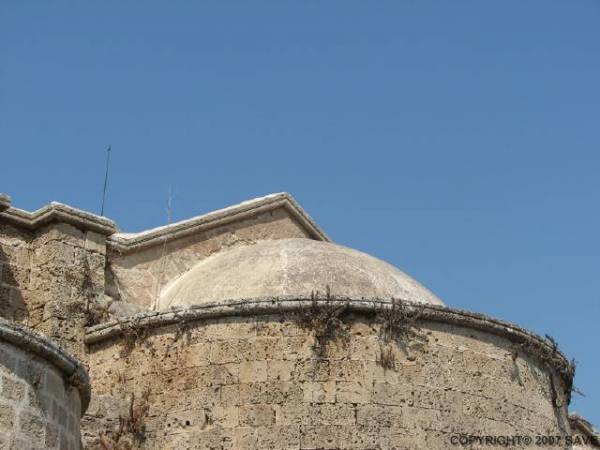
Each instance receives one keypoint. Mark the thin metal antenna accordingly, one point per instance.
(105, 180)
(163, 256)
(169, 205)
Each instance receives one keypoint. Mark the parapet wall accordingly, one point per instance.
(265, 374)
(43, 392)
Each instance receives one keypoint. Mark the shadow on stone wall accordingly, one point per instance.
(12, 280)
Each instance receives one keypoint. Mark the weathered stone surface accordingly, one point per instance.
(51, 278)
(40, 408)
(226, 397)
(15, 272)
(250, 374)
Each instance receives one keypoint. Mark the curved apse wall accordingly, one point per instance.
(343, 374)
(43, 392)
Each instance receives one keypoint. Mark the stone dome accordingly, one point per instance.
(292, 267)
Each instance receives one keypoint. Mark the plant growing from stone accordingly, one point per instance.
(131, 431)
(387, 357)
(398, 324)
(134, 334)
(324, 319)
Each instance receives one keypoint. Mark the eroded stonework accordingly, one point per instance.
(43, 392)
(259, 382)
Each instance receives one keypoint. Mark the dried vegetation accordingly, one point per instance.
(130, 433)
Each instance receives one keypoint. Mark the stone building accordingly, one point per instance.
(247, 328)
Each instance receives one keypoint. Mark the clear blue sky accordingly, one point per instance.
(457, 140)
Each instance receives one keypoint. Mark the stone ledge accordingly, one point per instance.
(58, 212)
(30, 341)
(129, 242)
(530, 343)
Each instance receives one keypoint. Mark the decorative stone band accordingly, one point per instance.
(30, 341)
(530, 343)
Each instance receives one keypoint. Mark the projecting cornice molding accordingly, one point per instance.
(57, 212)
(523, 340)
(129, 242)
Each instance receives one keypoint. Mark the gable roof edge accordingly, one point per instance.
(129, 242)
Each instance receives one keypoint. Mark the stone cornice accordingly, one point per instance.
(129, 242)
(524, 340)
(30, 341)
(58, 212)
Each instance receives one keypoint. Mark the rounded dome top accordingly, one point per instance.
(288, 267)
